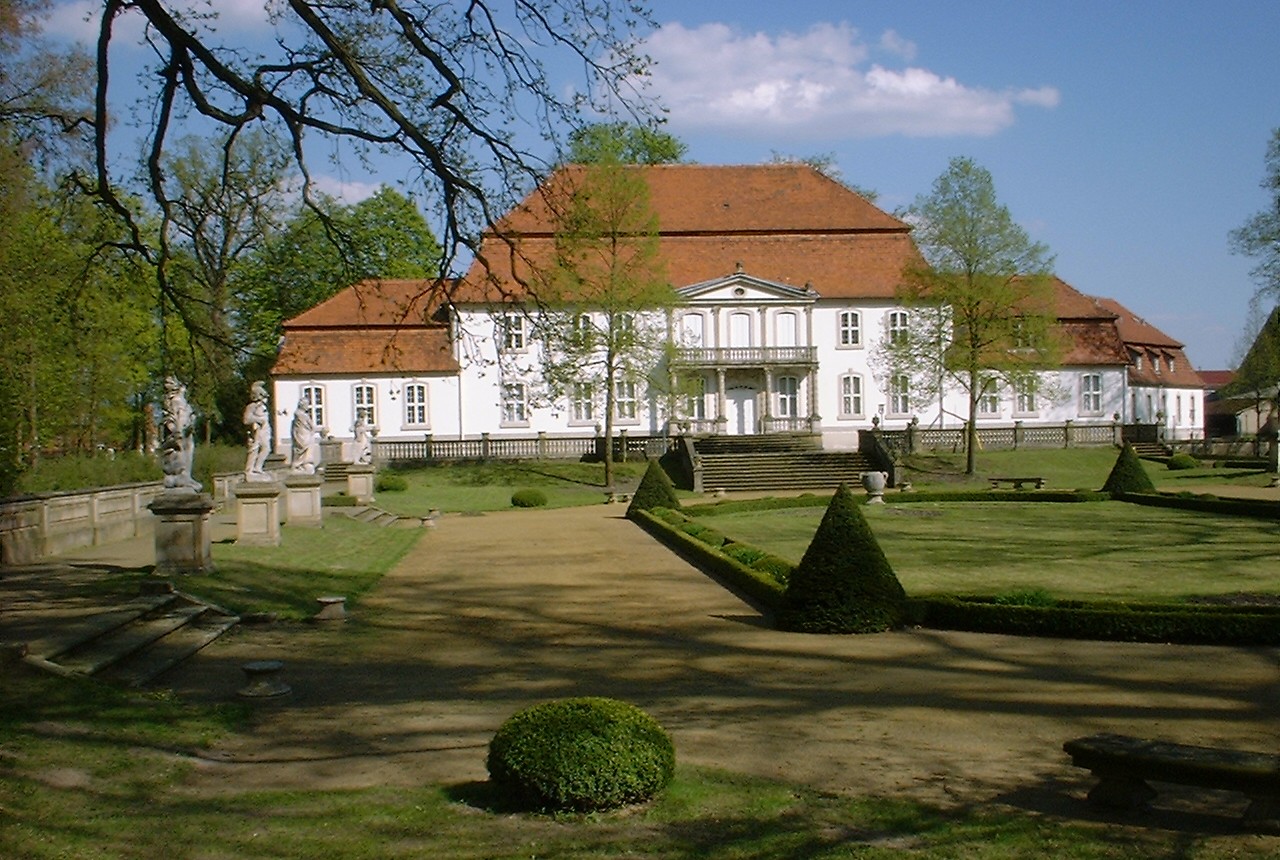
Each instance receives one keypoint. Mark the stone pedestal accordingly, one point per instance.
(182, 532)
(302, 500)
(258, 513)
(360, 482)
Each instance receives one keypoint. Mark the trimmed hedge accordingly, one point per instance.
(1120, 622)
(655, 491)
(844, 583)
(809, 500)
(581, 755)
(387, 482)
(1128, 474)
(755, 582)
(528, 498)
(1264, 509)
(1182, 460)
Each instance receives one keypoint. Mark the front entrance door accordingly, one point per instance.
(740, 405)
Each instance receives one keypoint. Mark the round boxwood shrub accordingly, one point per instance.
(528, 498)
(388, 482)
(844, 583)
(1128, 474)
(1183, 460)
(581, 755)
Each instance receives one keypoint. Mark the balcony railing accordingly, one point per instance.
(747, 355)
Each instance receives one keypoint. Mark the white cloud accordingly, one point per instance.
(346, 190)
(79, 20)
(818, 84)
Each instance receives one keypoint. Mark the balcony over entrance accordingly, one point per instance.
(738, 356)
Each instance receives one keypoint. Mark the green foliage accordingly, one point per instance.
(1181, 461)
(1259, 237)
(1128, 474)
(81, 472)
(758, 585)
(390, 482)
(1180, 623)
(581, 755)
(623, 143)
(528, 498)
(655, 491)
(1265, 509)
(844, 583)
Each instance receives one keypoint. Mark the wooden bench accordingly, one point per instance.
(1123, 765)
(1016, 483)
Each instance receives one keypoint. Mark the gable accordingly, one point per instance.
(741, 287)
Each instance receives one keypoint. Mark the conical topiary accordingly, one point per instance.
(844, 583)
(1128, 474)
(655, 491)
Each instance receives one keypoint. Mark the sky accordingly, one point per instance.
(1126, 136)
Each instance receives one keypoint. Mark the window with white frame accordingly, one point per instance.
(1091, 394)
(584, 331)
(515, 403)
(513, 336)
(1024, 398)
(1177, 413)
(899, 394)
(415, 404)
(625, 405)
(1169, 363)
(312, 397)
(362, 401)
(850, 329)
(786, 325)
(1192, 409)
(583, 406)
(696, 404)
(788, 388)
(851, 396)
(989, 399)
(1137, 361)
(1155, 363)
(898, 322)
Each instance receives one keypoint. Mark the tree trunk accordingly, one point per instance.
(971, 424)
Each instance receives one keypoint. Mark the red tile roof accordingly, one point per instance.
(783, 223)
(1155, 348)
(1135, 330)
(381, 326)
(310, 352)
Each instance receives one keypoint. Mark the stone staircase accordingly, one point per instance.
(776, 463)
(379, 517)
(135, 642)
(1151, 450)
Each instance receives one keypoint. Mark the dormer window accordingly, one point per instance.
(1155, 364)
(1137, 361)
(1169, 363)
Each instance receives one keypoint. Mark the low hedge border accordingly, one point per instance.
(810, 500)
(1259, 508)
(1119, 622)
(757, 585)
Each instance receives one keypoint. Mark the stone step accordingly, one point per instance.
(147, 665)
(72, 634)
(93, 656)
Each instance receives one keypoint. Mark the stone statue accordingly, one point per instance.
(364, 443)
(258, 419)
(178, 442)
(306, 441)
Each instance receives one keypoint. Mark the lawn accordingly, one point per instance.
(488, 486)
(94, 772)
(1084, 550)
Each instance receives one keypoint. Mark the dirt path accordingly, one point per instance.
(489, 614)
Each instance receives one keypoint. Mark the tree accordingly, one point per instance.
(980, 303)
(443, 86)
(625, 143)
(602, 326)
(312, 257)
(1259, 236)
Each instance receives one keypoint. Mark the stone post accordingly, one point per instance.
(302, 500)
(360, 482)
(1066, 434)
(182, 532)
(1017, 435)
(258, 513)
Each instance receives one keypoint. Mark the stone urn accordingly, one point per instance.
(874, 483)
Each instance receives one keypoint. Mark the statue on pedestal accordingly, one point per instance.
(178, 444)
(306, 441)
(363, 452)
(258, 419)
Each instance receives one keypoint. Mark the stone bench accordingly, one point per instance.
(1123, 765)
(614, 498)
(1016, 483)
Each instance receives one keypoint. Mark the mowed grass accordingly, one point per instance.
(478, 487)
(95, 773)
(1080, 550)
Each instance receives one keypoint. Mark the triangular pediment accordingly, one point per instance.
(741, 287)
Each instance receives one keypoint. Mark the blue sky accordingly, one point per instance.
(1127, 136)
